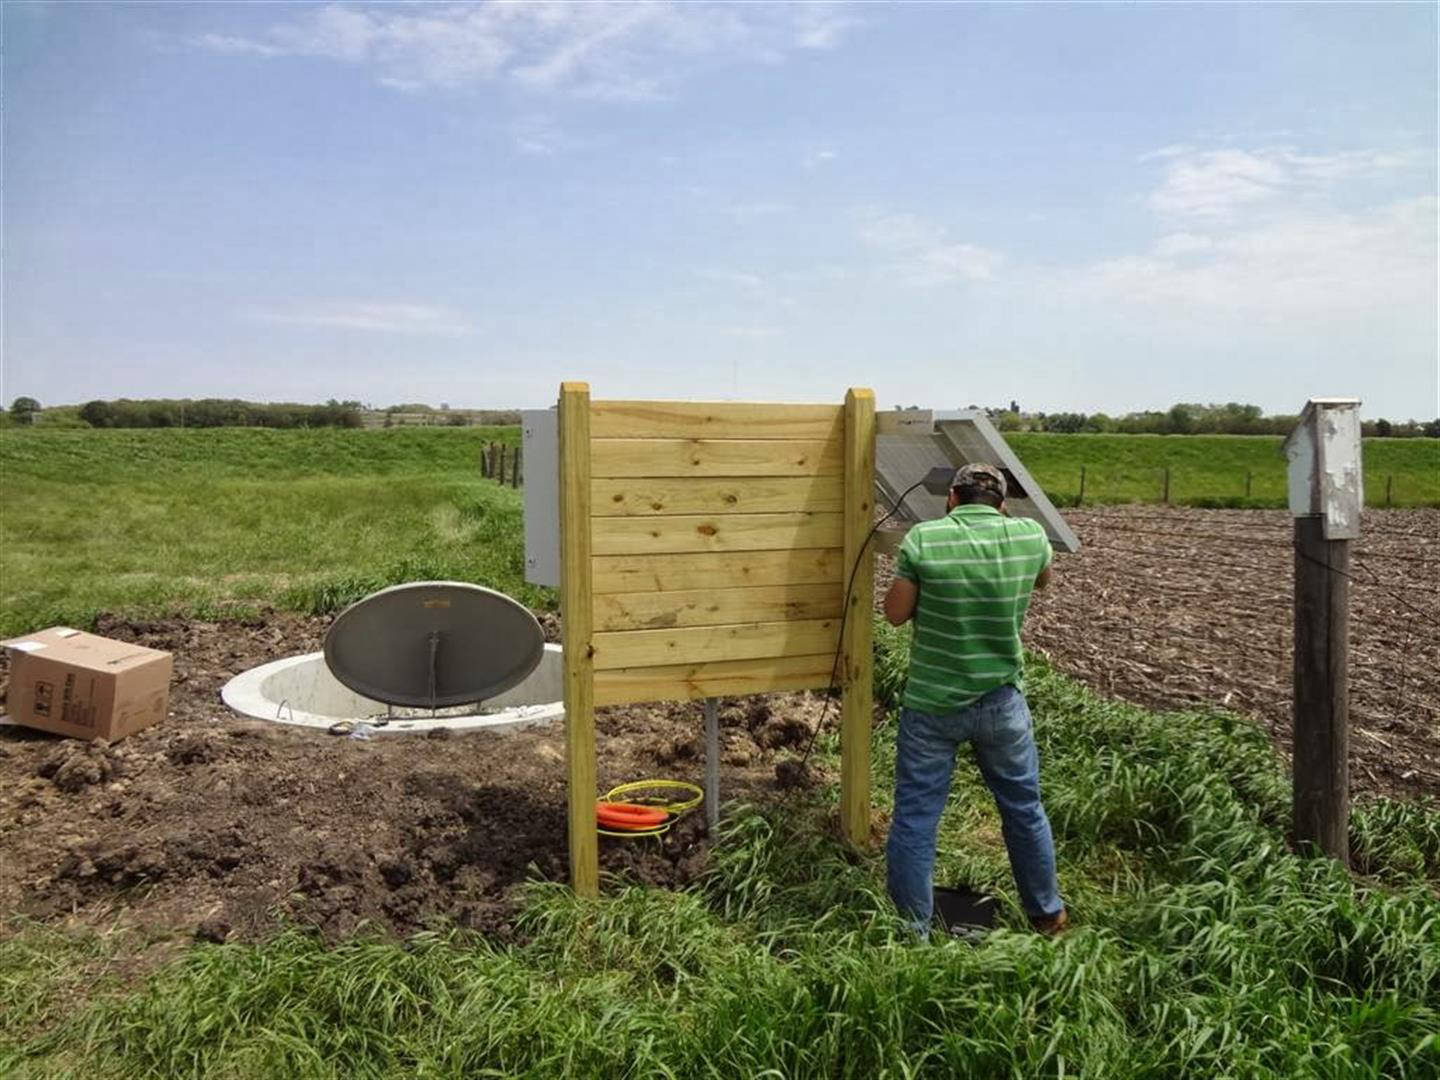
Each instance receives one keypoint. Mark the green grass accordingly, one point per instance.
(228, 520)
(1203, 948)
(1210, 470)
(225, 521)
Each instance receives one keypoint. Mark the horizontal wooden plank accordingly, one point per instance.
(716, 457)
(714, 532)
(701, 644)
(641, 496)
(664, 573)
(688, 682)
(716, 607)
(713, 420)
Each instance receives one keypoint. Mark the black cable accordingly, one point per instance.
(845, 614)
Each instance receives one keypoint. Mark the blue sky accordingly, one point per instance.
(1079, 207)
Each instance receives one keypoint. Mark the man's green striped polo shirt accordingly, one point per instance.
(976, 569)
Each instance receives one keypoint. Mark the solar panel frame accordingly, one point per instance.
(962, 438)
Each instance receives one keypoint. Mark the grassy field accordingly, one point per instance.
(224, 521)
(1203, 948)
(1211, 470)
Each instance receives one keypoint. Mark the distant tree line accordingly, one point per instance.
(218, 412)
(1191, 419)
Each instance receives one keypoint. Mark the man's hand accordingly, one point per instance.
(900, 601)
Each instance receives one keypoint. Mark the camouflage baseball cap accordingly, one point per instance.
(980, 475)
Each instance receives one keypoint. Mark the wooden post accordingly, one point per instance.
(484, 464)
(1389, 480)
(858, 670)
(1322, 685)
(1167, 485)
(502, 464)
(1080, 498)
(577, 618)
(1326, 494)
(515, 469)
(1248, 477)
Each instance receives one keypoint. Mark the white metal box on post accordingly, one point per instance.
(1325, 475)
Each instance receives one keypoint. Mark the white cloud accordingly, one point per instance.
(750, 331)
(617, 51)
(1182, 244)
(1321, 266)
(1221, 184)
(816, 158)
(378, 316)
(923, 254)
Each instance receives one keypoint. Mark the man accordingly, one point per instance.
(966, 579)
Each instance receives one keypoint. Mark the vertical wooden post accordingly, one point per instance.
(502, 464)
(577, 620)
(1326, 488)
(1167, 485)
(1322, 685)
(1389, 480)
(1248, 477)
(858, 671)
(1080, 498)
(515, 469)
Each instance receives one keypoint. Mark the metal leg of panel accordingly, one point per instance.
(712, 763)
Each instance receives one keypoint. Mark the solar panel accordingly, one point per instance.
(963, 438)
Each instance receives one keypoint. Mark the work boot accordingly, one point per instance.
(1051, 925)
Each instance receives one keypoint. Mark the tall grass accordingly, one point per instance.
(1202, 948)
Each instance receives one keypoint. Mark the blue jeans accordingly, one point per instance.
(998, 725)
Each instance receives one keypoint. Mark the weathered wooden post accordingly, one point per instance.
(1326, 495)
(1080, 498)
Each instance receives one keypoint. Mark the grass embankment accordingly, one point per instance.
(1203, 948)
(1211, 470)
(227, 520)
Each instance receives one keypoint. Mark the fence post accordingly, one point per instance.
(515, 469)
(1248, 477)
(857, 674)
(1326, 496)
(503, 448)
(1389, 480)
(484, 464)
(577, 623)
(1080, 498)
(1167, 485)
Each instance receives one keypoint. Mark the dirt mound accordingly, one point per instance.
(226, 827)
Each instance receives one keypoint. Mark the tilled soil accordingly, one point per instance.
(1172, 607)
(229, 827)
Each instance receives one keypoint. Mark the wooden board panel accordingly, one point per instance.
(642, 496)
(687, 682)
(716, 607)
(715, 532)
(665, 573)
(702, 644)
(713, 420)
(716, 457)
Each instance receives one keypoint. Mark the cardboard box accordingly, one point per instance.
(84, 685)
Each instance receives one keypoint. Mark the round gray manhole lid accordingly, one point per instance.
(433, 644)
